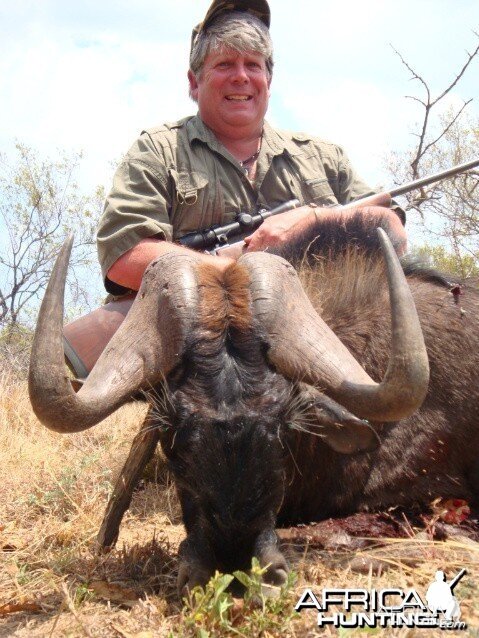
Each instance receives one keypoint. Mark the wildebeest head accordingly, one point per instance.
(233, 350)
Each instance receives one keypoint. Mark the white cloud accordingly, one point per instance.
(92, 97)
(357, 115)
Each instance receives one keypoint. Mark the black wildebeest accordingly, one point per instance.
(272, 413)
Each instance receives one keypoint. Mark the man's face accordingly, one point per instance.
(232, 92)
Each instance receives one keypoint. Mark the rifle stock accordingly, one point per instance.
(85, 338)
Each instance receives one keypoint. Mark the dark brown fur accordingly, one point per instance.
(430, 454)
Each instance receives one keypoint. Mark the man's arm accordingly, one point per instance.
(278, 230)
(281, 229)
(128, 270)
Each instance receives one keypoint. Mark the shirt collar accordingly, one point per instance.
(197, 130)
(279, 142)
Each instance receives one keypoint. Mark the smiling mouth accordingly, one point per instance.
(239, 98)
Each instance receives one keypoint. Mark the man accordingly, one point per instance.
(203, 170)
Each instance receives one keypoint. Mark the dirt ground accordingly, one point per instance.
(53, 492)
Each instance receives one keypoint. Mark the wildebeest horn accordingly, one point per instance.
(303, 347)
(145, 348)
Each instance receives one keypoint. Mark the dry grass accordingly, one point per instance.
(53, 491)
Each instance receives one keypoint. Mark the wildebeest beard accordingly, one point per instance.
(227, 414)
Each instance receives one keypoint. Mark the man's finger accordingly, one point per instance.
(232, 251)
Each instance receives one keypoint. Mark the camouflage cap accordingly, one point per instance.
(258, 8)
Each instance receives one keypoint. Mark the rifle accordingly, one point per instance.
(86, 338)
(212, 240)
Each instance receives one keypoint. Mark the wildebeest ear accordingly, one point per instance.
(341, 430)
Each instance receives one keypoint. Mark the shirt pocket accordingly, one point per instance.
(318, 191)
(190, 202)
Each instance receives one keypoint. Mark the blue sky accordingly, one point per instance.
(90, 75)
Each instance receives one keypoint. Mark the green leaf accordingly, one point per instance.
(221, 606)
(243, 578)
(221, 583)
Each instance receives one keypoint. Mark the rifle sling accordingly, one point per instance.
(73, 360)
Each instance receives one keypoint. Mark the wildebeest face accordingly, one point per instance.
(228, 469)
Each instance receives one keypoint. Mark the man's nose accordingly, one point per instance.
(240, 73)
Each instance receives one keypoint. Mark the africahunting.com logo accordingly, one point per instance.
(393, 607)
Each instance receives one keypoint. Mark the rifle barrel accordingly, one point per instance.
(425, 181)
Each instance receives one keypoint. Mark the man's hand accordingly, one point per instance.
(231, 251)
(280, 229)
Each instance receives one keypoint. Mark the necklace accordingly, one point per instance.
(251, 159)
(248, 163)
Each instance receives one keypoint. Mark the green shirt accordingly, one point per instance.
(178, 178)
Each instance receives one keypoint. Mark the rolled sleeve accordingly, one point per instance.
(137, 206)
